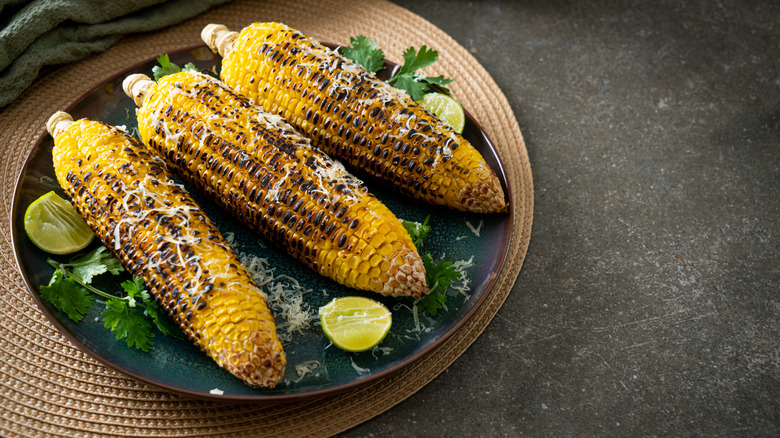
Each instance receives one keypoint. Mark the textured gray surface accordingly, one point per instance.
(649, 299)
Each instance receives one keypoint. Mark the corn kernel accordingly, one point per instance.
(385, 250)
(377, 240)
(375, 260)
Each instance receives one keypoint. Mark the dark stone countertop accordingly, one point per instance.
(649, 299)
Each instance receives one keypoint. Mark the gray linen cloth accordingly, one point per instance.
(37, 33)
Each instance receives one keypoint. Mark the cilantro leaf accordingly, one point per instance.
(131, 316)
(417, 231)
(165, 67)
(134, 289)
(190, 67)
(439, 277)
(137, 295)
(365, 53)
(414, 84)
(432, 302)
(439, 81)
(409, 83)
(414, 60)
(128, 322)
(94, 263)
(67, 296)
(160, 319)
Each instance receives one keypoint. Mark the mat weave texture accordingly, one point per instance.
(48, 387)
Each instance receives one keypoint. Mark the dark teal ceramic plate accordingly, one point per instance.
(180, 367)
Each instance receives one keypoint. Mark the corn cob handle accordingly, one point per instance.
(260, 169)
(159, 233)
(355, 117)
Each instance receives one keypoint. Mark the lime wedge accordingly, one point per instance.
(55, 226)
(447, 109)
(355, 323)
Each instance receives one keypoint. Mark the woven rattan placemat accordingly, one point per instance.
(48, 387)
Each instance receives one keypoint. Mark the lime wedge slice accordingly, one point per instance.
(447, 109)
(55, 226)
(355, 323)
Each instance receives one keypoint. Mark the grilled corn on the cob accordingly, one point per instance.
(259, 168)
(156, 229)
(355, 117)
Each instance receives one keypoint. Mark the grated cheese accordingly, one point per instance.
(359, 370)
(285, 297)
(384, 350)
(304, 368)
(463, 286)
(477, 229)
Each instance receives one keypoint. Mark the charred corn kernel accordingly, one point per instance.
(269, 176)
(128, 197)
(355, 117)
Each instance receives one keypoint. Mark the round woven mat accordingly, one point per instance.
(49, 387)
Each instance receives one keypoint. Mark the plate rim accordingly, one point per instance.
(259, 398)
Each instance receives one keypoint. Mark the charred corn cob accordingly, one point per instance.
(259, 168)
(158, 232)
(355, 117)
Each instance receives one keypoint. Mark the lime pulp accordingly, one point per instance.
(355, 323)
(54, 226)
(446, 109)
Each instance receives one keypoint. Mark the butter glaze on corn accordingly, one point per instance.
(259, 168)
(160, 234)
(355, 117)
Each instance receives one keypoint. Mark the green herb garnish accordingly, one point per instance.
(130, 316)
(365, 53)
(415, 84)
(166, 67)
(438, 275)
(418, 231)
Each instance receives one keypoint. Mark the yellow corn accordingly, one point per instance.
(259, 168)
(355, 117)
(126, 195)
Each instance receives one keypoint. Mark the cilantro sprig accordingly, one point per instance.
(166, 67)
(364, 52)
(130, 316)
(416, 84)
(438, 275)
(417, 231)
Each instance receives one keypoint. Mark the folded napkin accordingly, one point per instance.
(37, 33)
